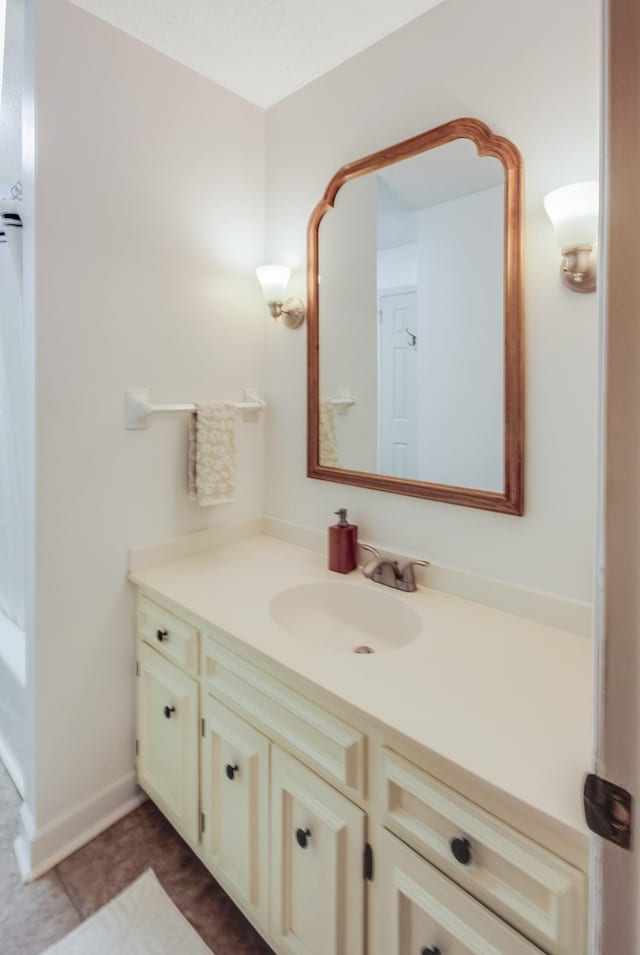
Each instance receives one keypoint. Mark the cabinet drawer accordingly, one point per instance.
(325, 743)
(170, 636)
(532, 889)
(419, 910)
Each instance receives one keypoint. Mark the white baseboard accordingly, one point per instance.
(551, 609)
(40, 849)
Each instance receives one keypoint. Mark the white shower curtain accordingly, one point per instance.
(12, 553)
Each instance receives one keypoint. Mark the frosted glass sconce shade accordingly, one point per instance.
(573, 211)
(274, 280)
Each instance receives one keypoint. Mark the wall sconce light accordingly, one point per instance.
(573, 210)
(274, 280)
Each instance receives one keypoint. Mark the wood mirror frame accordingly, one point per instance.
(511, 499)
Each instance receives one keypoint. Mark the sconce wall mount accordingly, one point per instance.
(274, 280)
(573, 210)
(291, 311)
(579, 268)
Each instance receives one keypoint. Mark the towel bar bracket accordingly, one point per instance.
(343, 401)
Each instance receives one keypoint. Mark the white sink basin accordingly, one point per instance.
(346, 617)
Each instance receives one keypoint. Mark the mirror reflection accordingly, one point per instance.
(411, 321)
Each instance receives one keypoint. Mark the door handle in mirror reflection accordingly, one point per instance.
(461, 850)
(231, 770)
(413, 338)
(302, 837)
(162, 635)
(168, 710)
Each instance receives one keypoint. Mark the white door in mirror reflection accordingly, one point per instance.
(397, 358)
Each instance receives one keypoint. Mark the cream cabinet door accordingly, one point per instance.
(317, 846)
(235, 803)
(167, 739)
(420, 912)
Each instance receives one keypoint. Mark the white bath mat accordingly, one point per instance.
(142, 920)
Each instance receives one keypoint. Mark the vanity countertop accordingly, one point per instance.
(504, 698)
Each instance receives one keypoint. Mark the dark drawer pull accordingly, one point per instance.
(162, 635)
(302, 837)
(461, 850)
(168, 710)
(430, 951)
(231, 771)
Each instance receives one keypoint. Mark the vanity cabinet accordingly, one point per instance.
(420, 912)
(317, 841)
(329, 840)
(235, 803)
(335, 750)
(167, 739)
(531, 888)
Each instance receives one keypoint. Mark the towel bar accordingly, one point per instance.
(138, 408)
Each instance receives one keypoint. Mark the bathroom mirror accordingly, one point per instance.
(416, 321)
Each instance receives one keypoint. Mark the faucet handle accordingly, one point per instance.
(370, 564)
(372, 550)
(407, 576)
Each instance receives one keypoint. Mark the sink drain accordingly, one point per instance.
(364, 649)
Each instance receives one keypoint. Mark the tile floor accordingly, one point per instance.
(32, 917)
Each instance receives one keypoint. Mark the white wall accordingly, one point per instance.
(149, 212)
(460, 393)
(397, 267)
(515, 66)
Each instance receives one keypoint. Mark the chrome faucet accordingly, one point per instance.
(388, 572)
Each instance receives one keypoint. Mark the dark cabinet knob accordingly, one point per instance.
(162, 635)
(168, 710)
(231, 771)
(430, 951)
(461, 850)
(302, 837)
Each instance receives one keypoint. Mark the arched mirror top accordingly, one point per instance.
(415, 339)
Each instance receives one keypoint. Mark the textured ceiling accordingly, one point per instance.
(261, 49)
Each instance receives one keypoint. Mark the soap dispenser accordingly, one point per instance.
(343, 544)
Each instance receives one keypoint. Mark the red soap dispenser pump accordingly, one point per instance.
(343, 545)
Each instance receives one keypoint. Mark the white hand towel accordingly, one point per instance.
(212, 453)
(328, 437)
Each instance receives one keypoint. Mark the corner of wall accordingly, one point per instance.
(40, 849)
